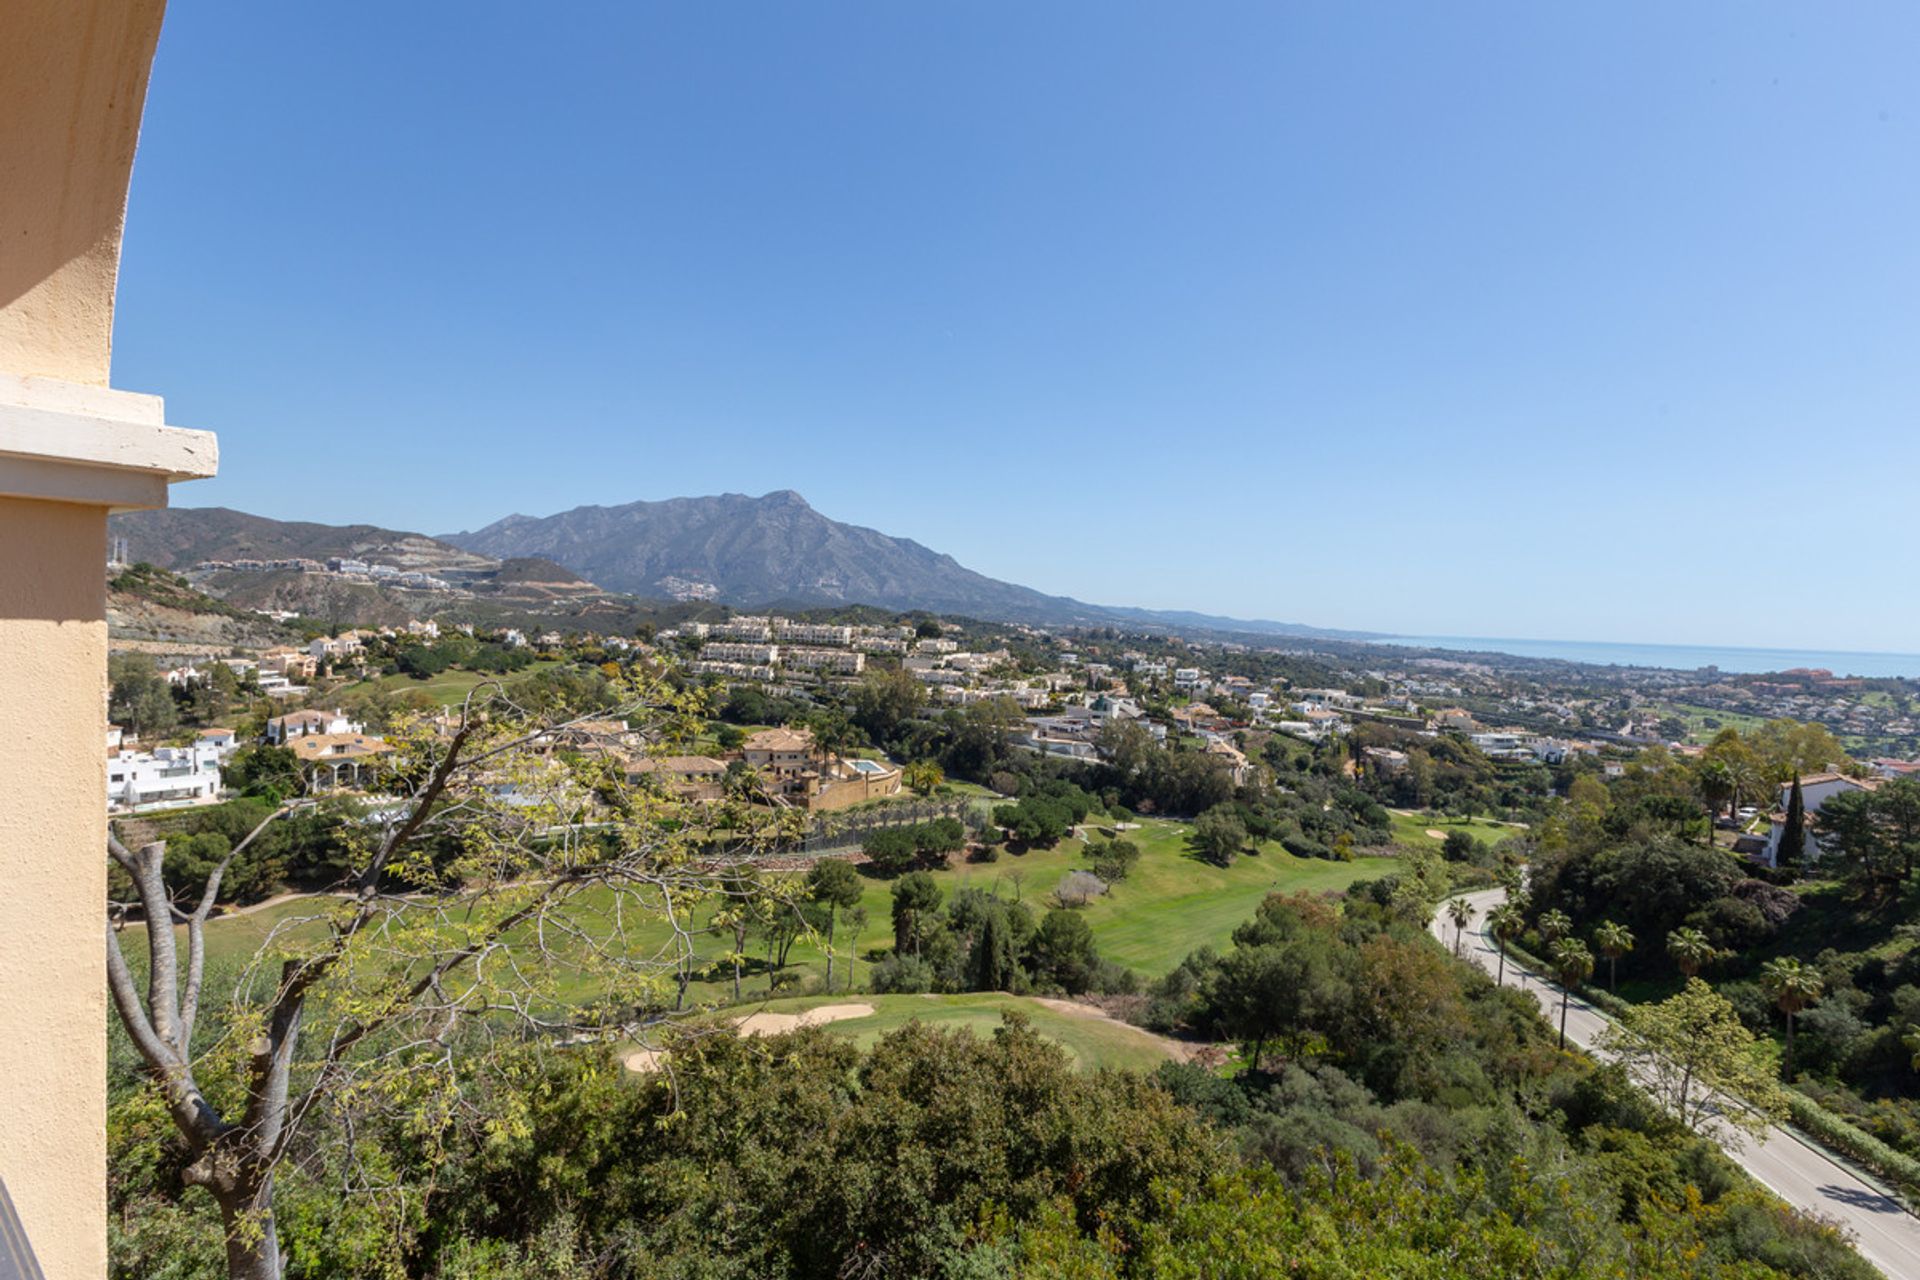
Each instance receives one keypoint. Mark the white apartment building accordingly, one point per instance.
(937, 645)
(727, 651)
(812, 633)
(751, 629)
(837, 661)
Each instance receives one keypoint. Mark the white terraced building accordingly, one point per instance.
(842, 661)
(815, 633)
(722, 651)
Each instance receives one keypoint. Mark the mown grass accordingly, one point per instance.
(447, 688)
(1411, 829)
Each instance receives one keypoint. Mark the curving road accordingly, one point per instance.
(1804, 1176)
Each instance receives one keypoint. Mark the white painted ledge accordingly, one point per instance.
(65, 442)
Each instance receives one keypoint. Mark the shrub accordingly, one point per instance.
(1078, 888)
(1306, 847)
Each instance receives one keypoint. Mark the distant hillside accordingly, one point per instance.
(154, 610)
(754, 550)
(777, 548)
(535, 571)
(743, 551)
(180, 537)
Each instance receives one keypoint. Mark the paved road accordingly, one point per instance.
(1802, 1175)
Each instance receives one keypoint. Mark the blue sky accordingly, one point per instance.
(1594, 321)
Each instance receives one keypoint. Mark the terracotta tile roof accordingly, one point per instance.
(780, 740)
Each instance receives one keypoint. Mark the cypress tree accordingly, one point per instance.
(1793, 836)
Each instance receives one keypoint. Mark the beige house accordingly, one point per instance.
(688, 777)
(798, 773)
(332, 761)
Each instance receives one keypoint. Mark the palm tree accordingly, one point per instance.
(1553, 926)
(1503, 922)
(1793, 986)
(1690, 950)
(1614, 940)
(923, 776)
(1461, 914)
(1715, 784)
(1745, 780)
(1573, 964)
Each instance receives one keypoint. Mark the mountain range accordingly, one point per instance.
(736, 549)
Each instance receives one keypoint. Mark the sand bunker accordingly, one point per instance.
(646, 1061)
(773, 1024)
(1435, 833)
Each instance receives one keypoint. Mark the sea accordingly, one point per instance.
(1680, 657)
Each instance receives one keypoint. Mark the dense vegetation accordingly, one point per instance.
(1397, 1115)
(1821, 958)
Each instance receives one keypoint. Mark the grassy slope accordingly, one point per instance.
(447, 688)
(1411, 829)
(1171, 904)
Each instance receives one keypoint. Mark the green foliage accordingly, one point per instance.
(1113, 859)
(1219, 835)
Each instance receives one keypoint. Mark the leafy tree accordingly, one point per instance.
(1788, 747)
(1691, 951)
(1792, 986)
(269, 772)
(916, 906)
(1062, 952)
(1873, 836)
(1614, 940)
(370, 1008)
(1698, 1060)
(833, 884)
(138, 696)
(1034, 820)
(1114, 860)
(1572, 964)
(891, 850)
(1219, 835)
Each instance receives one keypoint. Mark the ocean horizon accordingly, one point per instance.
(1679, 657)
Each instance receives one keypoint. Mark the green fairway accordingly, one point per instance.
(1092, 1040)
(1411, 829)
(447, 688)
(1171, 904)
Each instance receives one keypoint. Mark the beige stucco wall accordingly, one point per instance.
(53, 1042)
(73, 82)
(73, 78)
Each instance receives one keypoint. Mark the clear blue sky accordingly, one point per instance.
(1595, 321)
